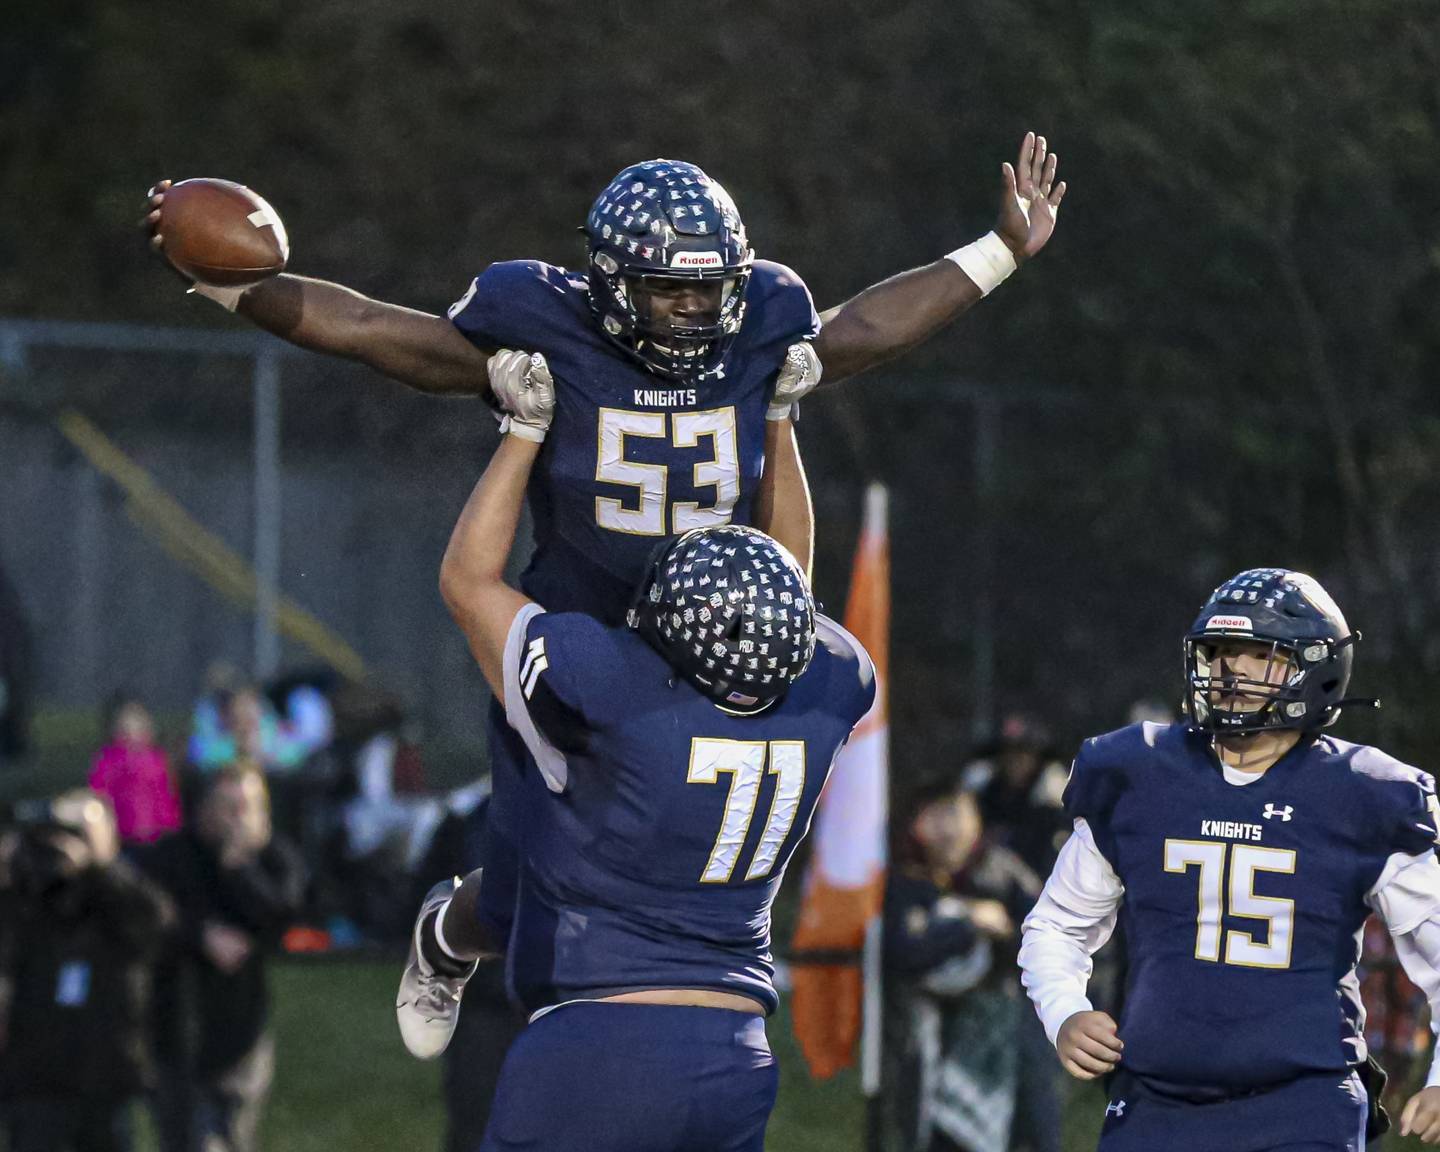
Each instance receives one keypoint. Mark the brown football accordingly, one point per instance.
(222, 233)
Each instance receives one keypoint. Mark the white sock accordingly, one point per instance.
(440, 935)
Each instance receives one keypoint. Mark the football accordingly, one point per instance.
(221, 233)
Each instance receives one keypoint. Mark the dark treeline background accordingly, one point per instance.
(1226, 358)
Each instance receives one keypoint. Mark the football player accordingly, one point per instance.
(684, 752)
(675, 356)
(1246, 847)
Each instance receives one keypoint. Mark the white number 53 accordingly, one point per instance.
(647, 516)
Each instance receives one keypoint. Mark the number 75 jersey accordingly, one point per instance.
(655, 861)
(631, 457)
(1244, 903)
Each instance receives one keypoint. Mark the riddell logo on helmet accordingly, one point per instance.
(696, 260)
(1234, 623)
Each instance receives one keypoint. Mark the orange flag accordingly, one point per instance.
(846, 879)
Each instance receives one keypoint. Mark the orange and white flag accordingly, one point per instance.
(845, 883)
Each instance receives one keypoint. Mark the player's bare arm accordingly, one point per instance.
(472, 575)
(906, 310)
(418, 349)
(783, 507)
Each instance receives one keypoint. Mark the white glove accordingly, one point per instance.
(525, 392)
(798, 375)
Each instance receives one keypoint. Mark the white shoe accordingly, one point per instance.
(428, 1005)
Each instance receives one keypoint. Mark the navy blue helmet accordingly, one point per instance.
(656, 223)
(1294, 623)
(730, 610)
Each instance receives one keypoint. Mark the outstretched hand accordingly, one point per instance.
(1030, 199)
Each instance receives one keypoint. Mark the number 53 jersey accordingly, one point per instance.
(655, 861)
(1243, 903)
(631, 457)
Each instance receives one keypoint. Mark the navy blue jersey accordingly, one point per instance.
(1243, 904)
(631, 458)
(655, 862)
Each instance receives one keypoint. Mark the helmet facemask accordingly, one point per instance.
(658, 226)
(684, 344)
(1240, 685)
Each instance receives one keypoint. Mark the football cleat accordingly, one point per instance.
(428, 1005)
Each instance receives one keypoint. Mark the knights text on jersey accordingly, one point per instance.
(1243, 903)
(632, 458)
(657, 857)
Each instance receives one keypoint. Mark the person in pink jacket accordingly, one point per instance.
(134, 772)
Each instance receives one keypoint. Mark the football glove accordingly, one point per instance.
(798, 375)
(524, 391)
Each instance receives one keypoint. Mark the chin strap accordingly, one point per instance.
(1356, 702)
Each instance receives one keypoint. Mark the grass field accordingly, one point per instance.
(345, 1083)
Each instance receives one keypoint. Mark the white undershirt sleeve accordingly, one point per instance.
(1407, 897)
(1074, 916)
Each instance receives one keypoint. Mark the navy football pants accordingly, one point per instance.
(594, 1077)
(1319, 1113)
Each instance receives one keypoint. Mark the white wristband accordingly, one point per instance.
(988, 261)
(227, 298)
(511, 426)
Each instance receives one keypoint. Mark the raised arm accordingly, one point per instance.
(782, 504)
(472, 575)
(418, 349)
(904, 311)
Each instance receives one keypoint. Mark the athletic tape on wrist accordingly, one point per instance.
(509, 426)
(227, 298)
(988, 261)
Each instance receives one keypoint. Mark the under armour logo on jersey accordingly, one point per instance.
(536, 663)
(1115, 1109)
(1271, 811)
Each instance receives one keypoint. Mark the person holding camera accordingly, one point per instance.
(78, 929)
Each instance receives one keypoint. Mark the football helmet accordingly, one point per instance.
(731, 611)
(657, 223)
(1296, 627)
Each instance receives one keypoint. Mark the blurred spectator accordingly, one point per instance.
(133, 772)
(379, 812)
(78, 930)
(16, 675)
(490, 1022)
(1150, 710)
(1019, 784)
(236, 888)
(239, 726)
(302, 701)
(1395, 1012)
(955, 1048)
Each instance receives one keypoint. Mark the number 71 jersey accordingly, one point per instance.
(631, 457)
(1244, 903)
(655, 861)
